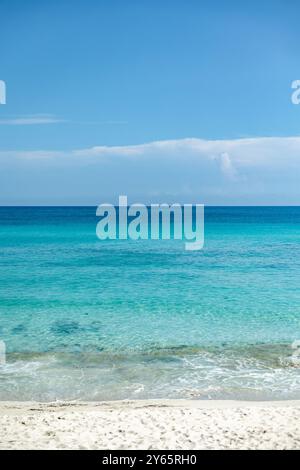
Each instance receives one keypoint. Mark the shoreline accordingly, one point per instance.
(160, 402)
(151, 424)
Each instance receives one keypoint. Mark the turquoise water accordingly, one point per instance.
(94, 320)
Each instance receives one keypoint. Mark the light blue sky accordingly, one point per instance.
(84, 74)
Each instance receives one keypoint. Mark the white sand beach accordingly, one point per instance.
(159, 424)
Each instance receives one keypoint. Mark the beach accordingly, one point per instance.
(158, 424)
(122, 344)
(149, 229)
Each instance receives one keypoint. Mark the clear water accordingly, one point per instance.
(93, 320)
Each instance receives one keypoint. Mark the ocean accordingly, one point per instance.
(84, 319)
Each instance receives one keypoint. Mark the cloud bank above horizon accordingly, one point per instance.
(251, 171)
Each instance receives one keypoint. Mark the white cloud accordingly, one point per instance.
(50, 119)
(30, 120)
(255, 151)
(227, 166)
(242, 171)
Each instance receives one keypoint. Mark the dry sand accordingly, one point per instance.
(166, 424)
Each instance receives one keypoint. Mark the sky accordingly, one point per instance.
(173, 101)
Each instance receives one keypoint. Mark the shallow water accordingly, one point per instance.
(92, 320)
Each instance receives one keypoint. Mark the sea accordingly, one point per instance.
(89, 319)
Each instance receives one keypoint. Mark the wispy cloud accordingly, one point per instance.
(50, 119)
(31, 120)
(103, 123)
